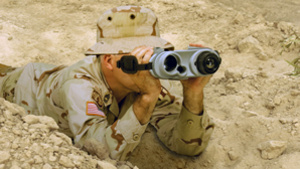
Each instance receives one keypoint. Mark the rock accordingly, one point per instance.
(238, 18)
(49, 122)
(15, 167)
(249, 45)
(270, 104)
(36, 148)
(260, 19)
(40, 122)
(4, 156)
(32, 130)
(272, 149)
(234, 74)
(295, 121)
(31, 119)
(37, 159)
(47, 166)
(45, 146)
(249, 113)
(285, 27)
(28, 153)
(263, 74)
(294, 92)
(17, 131)
(77, 160)
(26, 165)
(106, 165)
(12, 107)
(180, 163)
(56, 140)
(64, 137)
(64, 149)
(94, 162)
(8, 115)
(283, 121)
(127, 167)
(232, 155)
(52, 158)
(262, 55)
(14, 145)
(277, 100)
(39, 126)
(65, 161)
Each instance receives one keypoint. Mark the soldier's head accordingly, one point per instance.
(122, 29)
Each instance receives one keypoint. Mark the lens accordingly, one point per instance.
(170, 63)
(207, 63)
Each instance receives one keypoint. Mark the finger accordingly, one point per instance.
(147, 55)
(136, 50)
(142, 52)
(196, 45)
(140, 55)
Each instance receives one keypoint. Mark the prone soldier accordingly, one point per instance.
(94, 99)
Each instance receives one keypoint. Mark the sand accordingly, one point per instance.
(252, 99)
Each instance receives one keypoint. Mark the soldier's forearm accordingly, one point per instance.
(193, 101)
(143, 107)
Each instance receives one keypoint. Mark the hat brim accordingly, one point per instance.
(126, 45)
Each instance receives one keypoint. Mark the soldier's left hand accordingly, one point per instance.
(195, 84)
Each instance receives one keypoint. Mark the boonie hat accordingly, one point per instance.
(121, 29)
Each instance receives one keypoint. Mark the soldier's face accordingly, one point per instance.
(124, 79)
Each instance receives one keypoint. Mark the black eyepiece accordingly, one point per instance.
(128, 64)
(208, 63)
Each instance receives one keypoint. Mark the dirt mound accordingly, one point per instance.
(28, 141)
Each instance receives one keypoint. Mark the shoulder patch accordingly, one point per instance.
(93, 110)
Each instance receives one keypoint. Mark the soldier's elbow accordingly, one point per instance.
(191, 148)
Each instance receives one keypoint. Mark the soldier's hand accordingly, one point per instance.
(146, 83)
(195, 84)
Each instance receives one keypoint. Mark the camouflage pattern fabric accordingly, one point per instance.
(79, 99)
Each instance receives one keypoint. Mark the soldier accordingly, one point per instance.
(93, 99)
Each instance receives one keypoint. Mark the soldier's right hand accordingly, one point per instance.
(146, 83)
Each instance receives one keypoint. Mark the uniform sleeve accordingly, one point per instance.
(120, 138)
(180, 130)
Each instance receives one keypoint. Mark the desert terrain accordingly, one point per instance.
(253, 98)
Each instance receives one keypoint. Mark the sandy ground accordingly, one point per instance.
(253, 101)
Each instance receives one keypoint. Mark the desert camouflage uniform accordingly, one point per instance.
(64, 92)
(67, 93)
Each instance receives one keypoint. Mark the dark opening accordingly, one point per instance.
(170, 63)
(132, 16)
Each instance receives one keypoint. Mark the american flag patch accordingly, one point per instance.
(93, 110)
